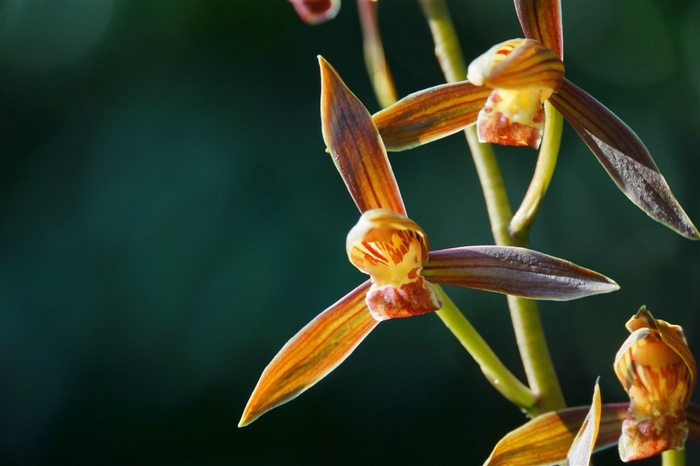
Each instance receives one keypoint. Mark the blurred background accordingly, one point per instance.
(169, 218)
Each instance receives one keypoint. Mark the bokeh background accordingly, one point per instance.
(168, 219)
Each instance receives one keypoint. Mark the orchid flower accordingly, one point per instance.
(503, 96)
(657, 370)
(393, 250)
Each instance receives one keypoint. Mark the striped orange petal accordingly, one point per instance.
(312, 354)
(355, 146)
(541, 21)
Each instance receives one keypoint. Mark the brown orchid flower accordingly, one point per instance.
(503, 96)
(393, 250)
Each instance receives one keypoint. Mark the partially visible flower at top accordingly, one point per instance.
(316, 11)
(658, 371)
(393, 251)
(503, 95)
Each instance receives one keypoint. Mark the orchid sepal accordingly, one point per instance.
(312, 353)
(624, 157)
(355, 146)
(515, 271)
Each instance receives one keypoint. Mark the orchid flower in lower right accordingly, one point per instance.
(657, 370)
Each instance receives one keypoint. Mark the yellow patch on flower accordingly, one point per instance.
(392, 249)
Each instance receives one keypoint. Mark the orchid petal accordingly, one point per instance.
(430, 114)
(541, 21)
(582, 446)
(515, 271)
(312, 353)
(623, 156)
(316, 11)
(546, 439)
(355, 146)
(518, 64)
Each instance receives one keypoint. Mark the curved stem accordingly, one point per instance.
(546, 162)
(524, 313)
(498, 374)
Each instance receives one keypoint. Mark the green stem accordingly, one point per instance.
(498, 374)
(546, 162)
(524, 313)
(673, 458)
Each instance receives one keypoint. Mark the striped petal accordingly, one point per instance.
(355, 146)
(518, 64)
(547, 439)
(623, 156)
(316, 11)
(312, 353)
(582, 446)
(514, 271)
(541, 21)
(430, 114)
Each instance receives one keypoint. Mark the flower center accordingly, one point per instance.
(391, 249)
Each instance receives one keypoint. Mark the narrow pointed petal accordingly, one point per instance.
(312, 353)
(515, 271)
(430, 114)
(541, 21)
(546, 439)
(582, 446)
(623, 156)
(355, 146)
(316, 11)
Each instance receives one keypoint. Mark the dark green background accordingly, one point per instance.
(168, 219)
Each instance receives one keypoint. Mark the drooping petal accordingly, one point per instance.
(392, 248)
(523, 74)
(541, 21)
(659, 378)
(316, 11)
(582, 446)
(546, 439)
(355, 146)
(312, 353)
(515, 271)
(430, 114)
(623, 156)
